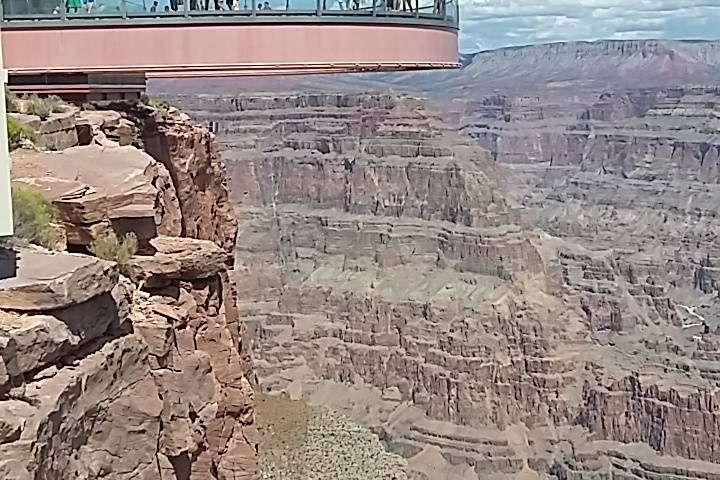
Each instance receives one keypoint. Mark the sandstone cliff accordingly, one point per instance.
(140, 375)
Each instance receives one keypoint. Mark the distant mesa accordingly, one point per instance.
(574, 65)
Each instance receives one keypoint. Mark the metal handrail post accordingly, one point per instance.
(254, 8)
(186, 8)
(124, 9)
(374, 8)
(318, 8)
(417, 8)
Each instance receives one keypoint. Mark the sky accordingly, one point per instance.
(488, 24)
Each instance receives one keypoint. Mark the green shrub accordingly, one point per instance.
(109, 247)
(17, 132)
(11, 102)
(33, 104)
(32, 216)
(159, 105)
(54, 103)
(42, 107)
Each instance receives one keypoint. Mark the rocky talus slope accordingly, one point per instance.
(387, 268)
(300, 441)
(139, 375)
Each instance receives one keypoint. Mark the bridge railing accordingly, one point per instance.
(83, 12)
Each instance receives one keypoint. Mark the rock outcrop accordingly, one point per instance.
(139, 375)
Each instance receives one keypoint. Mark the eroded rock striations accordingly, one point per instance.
(388, 268)
(139, 375)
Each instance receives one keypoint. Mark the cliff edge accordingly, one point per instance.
(132, 371)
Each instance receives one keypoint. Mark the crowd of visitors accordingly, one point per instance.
(159, 7)
(169, 6)
(76, 6)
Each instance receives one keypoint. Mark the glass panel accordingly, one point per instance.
(335, 5)
(450, 7)
(267, 6)
(31, 7)
(227, 6)
(399, 7)
(98, 9)
(85, 8)
(428, 7)
(243, 6)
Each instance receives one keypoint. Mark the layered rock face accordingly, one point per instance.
(389, 269)
(630, 178)
(141, 375)
(640, 183)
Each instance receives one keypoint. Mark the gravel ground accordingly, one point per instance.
(326, 446)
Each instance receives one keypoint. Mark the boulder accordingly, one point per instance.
(115, 410)
(89, 122)
(57, 132)
(30, 342)
(12, 419)
(31, 121)
(53, 280)
(93, 187)
(178, 258)
(108, 122)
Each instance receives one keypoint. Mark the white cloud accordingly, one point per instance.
(489, 24)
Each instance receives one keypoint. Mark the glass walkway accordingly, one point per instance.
(18, 13)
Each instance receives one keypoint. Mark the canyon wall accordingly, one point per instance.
(531, 296)
(144, 374)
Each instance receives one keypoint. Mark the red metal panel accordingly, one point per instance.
(175, 50)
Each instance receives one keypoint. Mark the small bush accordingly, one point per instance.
(32, 216)
(55, 103)
(34, 105)
(39, 106)
(159, 105)
(17, 132)
(108, 246)
(11, 102)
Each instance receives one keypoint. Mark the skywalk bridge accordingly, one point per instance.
(226, 37)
